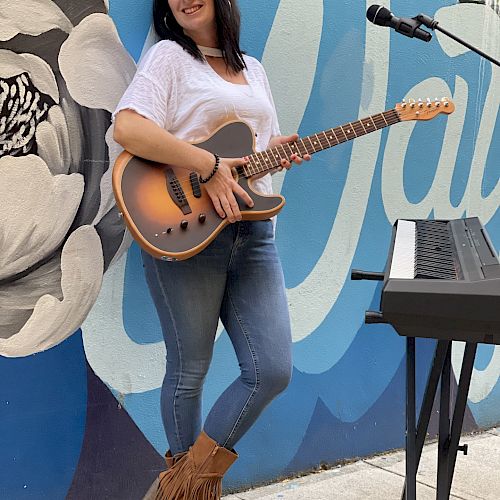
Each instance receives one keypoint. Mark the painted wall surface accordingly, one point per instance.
(79, 407)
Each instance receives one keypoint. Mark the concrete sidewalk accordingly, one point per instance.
(477, 476)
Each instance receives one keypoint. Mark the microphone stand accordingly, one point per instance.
(434, 25)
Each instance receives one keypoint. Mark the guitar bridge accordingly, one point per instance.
(176, 192)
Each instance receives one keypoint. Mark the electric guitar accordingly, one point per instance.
(171, 216)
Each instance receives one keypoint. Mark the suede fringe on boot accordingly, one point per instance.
(197, 474)
(174, 482)
(207, 486)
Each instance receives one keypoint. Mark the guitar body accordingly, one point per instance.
(168, 211)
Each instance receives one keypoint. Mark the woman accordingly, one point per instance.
(186, 86)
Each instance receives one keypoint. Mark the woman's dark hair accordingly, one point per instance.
(227, 17)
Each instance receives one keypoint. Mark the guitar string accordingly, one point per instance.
(269, 157)
(324, 143)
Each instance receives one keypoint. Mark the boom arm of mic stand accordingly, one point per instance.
(434, 25)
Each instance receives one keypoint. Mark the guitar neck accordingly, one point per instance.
(271, 158)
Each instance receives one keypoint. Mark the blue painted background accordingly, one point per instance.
(354, 407)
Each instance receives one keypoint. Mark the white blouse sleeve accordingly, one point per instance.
(152, 92)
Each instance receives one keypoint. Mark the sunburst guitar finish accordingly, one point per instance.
(168, 210)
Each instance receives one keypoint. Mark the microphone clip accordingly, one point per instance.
(411, 27)
(427, 21)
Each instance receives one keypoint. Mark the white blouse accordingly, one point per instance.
(190, 100)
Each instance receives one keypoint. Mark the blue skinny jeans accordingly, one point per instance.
(238, 278)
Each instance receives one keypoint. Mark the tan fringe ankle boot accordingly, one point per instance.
(197, 474)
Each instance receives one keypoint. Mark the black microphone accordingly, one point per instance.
(382, 16)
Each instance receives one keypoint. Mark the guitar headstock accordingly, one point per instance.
(424, 110)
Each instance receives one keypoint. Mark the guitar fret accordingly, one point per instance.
(258, 164)
(276, 156)
(353, 129)
(343, 131)
(360, 129)
(374, 124)
(394, 116)
(304, 146)
(382, 115)
(290, 153)
(285, 156)
(314, 143)
(379, 122)
(383, 121)
(248, 166)
(389, 118)
(326, 137)
(319, 141)
(295, 148)
(253, 166)
(310, 149)
(269, 159)
(335, 134)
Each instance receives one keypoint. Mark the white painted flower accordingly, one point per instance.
(31, 17)
(59, 227)
(31, 211)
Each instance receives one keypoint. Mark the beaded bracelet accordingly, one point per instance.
(212, 173)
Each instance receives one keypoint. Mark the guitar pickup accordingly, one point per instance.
(195, 184)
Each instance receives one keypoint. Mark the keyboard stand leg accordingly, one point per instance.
(411, 459)
(444, 429)
(460, 406)
(428, 400)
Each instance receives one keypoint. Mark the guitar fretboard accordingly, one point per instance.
(271, 158)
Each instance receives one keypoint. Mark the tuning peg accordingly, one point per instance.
(412, 103)
(429, 104)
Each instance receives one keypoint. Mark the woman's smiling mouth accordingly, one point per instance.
(192, 10)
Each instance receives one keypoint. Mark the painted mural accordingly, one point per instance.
(82, 357)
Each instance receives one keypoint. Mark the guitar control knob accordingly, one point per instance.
(202, 218)
(169, 230)
(184, 224)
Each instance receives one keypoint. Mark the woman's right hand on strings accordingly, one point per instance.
(222, 189)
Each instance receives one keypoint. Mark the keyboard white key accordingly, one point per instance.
(403, 255)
